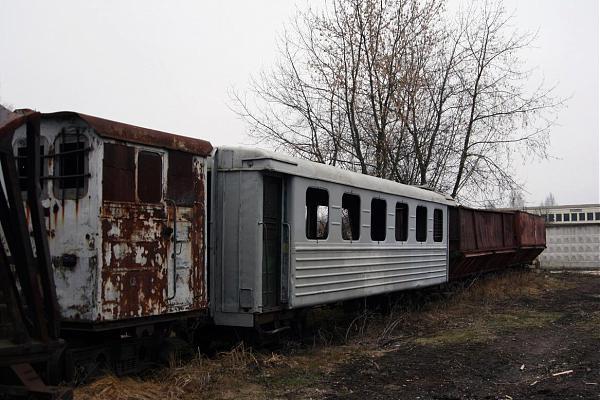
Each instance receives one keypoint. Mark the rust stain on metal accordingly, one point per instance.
(197, 279)
(134, 273)
(55, 212)
(486, 240)
(136, 134)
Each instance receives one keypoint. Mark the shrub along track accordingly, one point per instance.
(502, 337)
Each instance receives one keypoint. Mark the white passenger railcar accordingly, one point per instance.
(289, 233)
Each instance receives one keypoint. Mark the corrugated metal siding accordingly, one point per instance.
(326, 273)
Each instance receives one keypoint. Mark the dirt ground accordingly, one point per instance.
(520, 335)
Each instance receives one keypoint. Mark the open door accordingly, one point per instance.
(272, 240)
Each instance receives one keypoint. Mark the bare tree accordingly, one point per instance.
(516, 199)
(399, 90)
(549, 201)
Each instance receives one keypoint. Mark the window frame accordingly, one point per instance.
(70, 193)
(384, 229)
(306, 217)
(405, 230)
(358, 211)
(417, 236)
(441, 233)
(140, 152)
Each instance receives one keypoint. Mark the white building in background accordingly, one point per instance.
(572, 236)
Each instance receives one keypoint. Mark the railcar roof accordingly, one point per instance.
(135, 134)
(248, 158)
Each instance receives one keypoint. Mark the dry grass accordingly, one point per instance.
(467, 314)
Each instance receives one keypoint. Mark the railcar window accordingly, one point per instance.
(118, 169)
(566, 217)
(574, 217)
(317, 213)
(401, 222)
(597, 216)
(22, 166)
(558, 217)
(550, 217)
(590, 216)
(582, 216)
(421, 224)
(378, 219)
(350, 217)
(149, 177)
(180, 178)
(438, 225)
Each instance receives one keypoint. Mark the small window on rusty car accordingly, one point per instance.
(317, 213)
(71, 166)
(438, 225)
(149, 177)
(350, 216)
(181, 182)
(118, 172)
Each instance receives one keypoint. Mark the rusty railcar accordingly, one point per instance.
(125, 211)
(530, 235)
(488, 240)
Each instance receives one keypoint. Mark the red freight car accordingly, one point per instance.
(488, 240)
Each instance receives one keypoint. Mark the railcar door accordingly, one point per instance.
(272, 240)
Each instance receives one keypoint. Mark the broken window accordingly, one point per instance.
(401, 222)
(350, 216)
(149, 177)
(71, 166)
(22, 166)
(180, 178)
(421, 224)
(378, 219)
(118, 172)
(438, 225)
(317, 213)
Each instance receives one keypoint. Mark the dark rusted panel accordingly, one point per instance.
(118, 171)
(134, 251)
(480, 241)
(181, 179)
(487, 240)
(532, 230)
(149, 177)
(136, 134)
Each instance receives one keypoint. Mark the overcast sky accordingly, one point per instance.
(171, 66)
